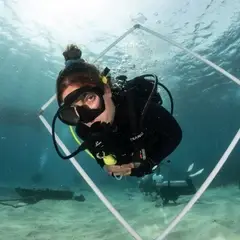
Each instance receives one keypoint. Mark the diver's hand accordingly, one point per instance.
(123, 170)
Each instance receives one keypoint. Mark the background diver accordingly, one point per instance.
(123, 124)
(164, 190)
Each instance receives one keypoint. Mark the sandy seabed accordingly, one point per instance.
(216, 216)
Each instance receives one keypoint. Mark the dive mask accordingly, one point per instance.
(71, 112)
(75, 114)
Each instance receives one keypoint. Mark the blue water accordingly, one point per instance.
(32, 37)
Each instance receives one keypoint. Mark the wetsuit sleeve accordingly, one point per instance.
(160, 125)
(162, 136)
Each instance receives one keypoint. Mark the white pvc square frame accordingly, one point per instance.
(204, 186)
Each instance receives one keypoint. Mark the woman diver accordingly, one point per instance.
(122, 124)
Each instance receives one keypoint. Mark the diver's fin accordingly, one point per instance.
(197, 173)
(190, 168)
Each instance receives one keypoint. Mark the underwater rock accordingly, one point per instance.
(79, 198)
(32, 196)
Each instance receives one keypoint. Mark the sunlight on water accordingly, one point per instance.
(53, 23)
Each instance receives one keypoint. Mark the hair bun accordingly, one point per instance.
(72, 52)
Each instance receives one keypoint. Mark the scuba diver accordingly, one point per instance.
(162, 191)
(122, 124)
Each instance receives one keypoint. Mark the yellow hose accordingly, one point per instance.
(108, 160)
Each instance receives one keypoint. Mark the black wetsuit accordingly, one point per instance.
(162, 134)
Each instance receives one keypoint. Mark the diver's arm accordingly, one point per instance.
(163, 128)
(119, 170)
(166, 130)
(111, 169)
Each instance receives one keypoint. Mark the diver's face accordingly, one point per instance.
(93, 102)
